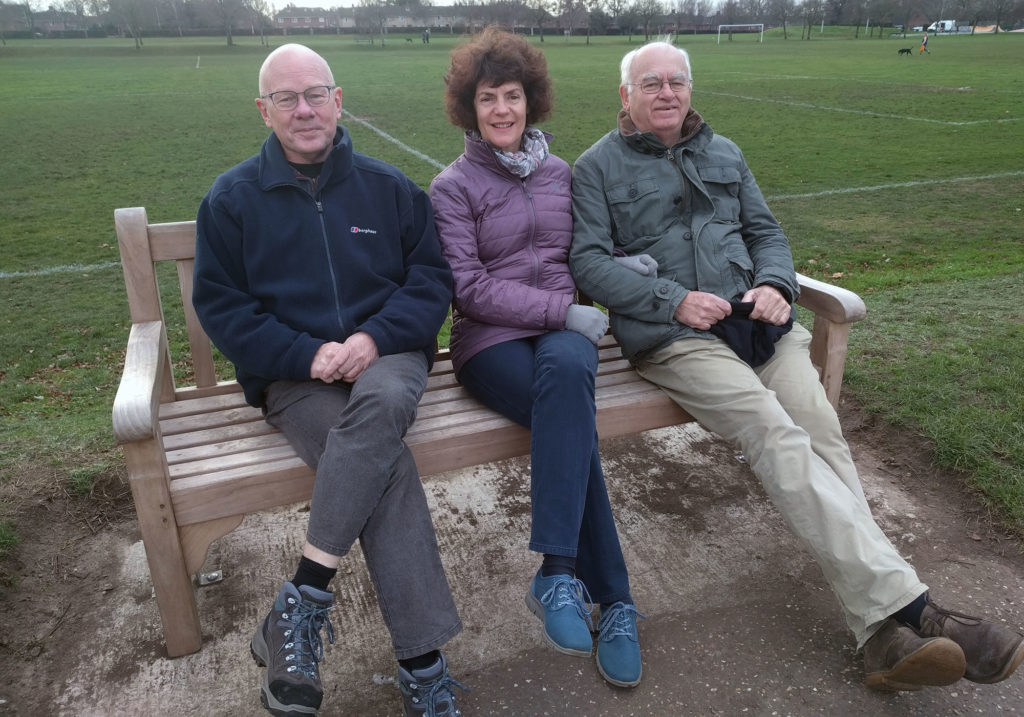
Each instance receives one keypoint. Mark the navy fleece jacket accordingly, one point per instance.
(284, 265)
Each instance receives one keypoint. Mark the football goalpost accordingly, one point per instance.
(757, 27)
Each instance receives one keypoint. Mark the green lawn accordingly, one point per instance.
(897, 177)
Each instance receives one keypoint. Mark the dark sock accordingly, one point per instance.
(911, 614)
(557, 565)
(313, 574)
(418, 663)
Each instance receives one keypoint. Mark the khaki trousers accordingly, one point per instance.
(778, 415)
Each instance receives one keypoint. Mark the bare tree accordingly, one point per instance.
(129, 14)
(812, 12)
(590, 7)
(646, 11)
(28, 8)
(228, 12)
(615, 9)
(260, 10)
(77, 9)
(783, 10)
(540, 11)
(373, 15)
(1000, 9)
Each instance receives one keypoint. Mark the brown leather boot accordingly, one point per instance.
(897, 658)
(993, 651)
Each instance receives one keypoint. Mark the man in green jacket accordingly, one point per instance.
(673, 235)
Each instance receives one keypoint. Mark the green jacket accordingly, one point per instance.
(695, 208)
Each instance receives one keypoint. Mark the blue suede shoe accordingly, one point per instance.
(560, 601)
(618, 647)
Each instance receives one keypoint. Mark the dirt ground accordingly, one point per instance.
(739, 620)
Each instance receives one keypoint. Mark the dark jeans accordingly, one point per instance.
(546, 383)
(368, 488)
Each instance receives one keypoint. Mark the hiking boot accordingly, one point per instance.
(559, 601)
(993, 651)
(288, 644)
(428, 692)
(897, 658)
(618, 647)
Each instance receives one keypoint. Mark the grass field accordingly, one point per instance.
(897, 177)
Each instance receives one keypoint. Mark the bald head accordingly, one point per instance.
(288, 56)
(659, 46)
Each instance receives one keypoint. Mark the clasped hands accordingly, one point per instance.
(700, 310)
(344, 361)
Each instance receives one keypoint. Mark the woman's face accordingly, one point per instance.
(501, 114)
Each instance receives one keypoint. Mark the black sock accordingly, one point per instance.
(313, 574)
(420, 662)
(911, 614)
(557, 565)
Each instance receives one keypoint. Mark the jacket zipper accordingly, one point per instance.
(533, 232)
(314, 193)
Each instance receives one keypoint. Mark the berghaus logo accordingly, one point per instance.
(360, 230)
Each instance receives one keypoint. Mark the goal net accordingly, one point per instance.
(750, 28)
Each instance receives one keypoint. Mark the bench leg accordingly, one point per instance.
(828, 354)
(175, 595)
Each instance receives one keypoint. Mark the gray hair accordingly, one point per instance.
(625, 68)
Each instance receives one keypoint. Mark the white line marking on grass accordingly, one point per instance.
(416, 153)
(868, 113)
(65, 269)
(896, 185)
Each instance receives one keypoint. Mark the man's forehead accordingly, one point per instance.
(658, 61)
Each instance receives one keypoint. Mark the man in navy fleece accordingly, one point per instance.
(319, 275)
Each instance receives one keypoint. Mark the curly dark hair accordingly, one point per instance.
(495, 57)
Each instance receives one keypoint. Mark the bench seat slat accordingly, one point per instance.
(215, 435)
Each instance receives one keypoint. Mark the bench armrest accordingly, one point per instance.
(835, 310)
(137, 402)
(834, 303)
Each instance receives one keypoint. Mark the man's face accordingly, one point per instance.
(662, 112)
(306, 132)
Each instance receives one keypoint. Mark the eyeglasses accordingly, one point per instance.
(653, 85)
(286, 100)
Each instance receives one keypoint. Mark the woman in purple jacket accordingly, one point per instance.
(520, 344)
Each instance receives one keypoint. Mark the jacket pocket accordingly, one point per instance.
(741, 267)
(639, 210)
(723, 186)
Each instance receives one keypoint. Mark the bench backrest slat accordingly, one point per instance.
(142, 246)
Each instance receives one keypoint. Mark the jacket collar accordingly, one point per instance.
(694, 126)
(275, 170)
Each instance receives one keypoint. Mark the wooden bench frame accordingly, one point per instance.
(199, 458)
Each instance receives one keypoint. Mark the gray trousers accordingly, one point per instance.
(780, 418)
(368, 488)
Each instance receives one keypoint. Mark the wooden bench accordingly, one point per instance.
(199, 458)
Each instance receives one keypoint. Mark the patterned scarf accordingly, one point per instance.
(534, 151)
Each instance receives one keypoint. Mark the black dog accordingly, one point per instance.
(906, 51)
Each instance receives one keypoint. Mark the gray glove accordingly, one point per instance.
(587, 320)
(642, 264)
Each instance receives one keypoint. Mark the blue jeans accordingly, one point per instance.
(368, 489)
(546, 383)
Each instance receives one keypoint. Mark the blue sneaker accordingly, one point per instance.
(618, 647)
(559, 601)
(428, 692)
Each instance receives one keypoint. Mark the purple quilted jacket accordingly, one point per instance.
(507, 240)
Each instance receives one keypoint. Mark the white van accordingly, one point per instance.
(943, 26)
